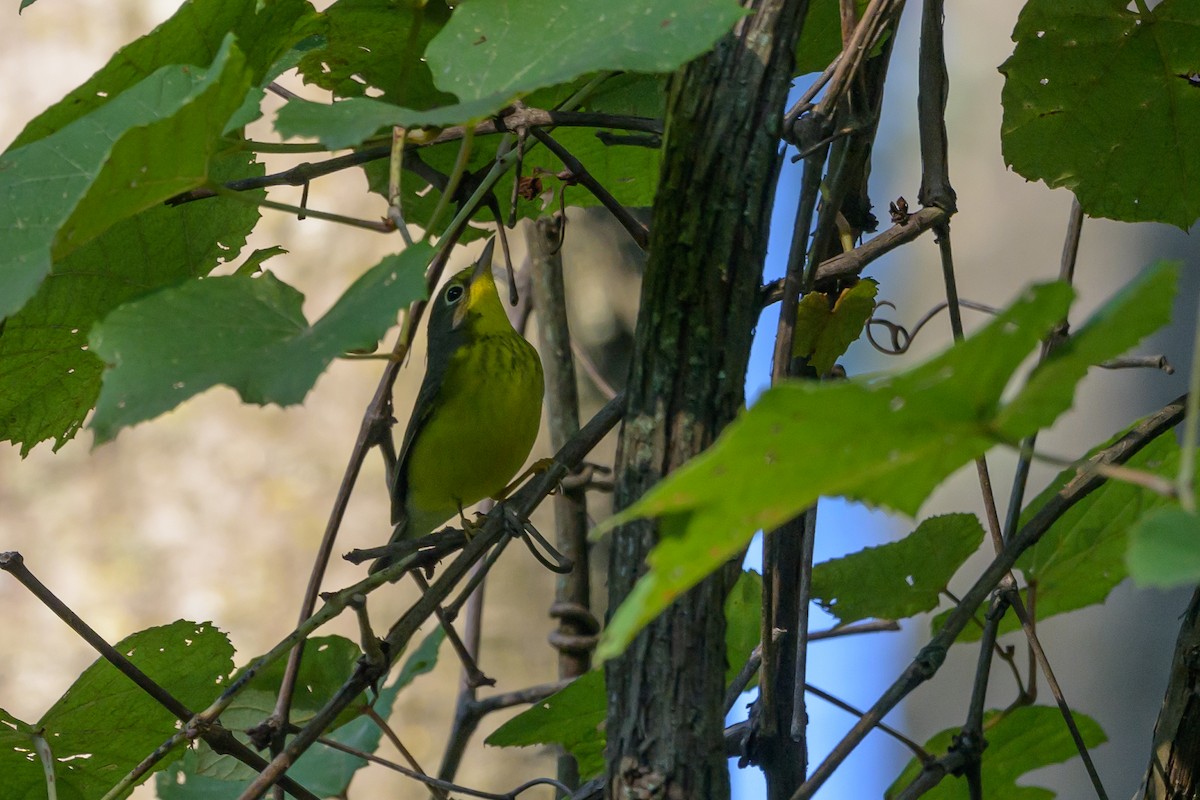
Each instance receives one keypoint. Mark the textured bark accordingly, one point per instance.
(699, 307)
(1174, 771)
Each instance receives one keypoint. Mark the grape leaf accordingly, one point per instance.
(348, 122)
(247, 333)
(1115, 327)
(1164, 548)
(1102, 99)
(51, 379)
(823, 334)
(378, 45)
(515, 46)
(204, 775)
(193, 35)
(1081, 558)
(743, 623)
(104, 725)
(146, 145)
(572, 717)
(1019, 742)
(898, 579)
(910, 431)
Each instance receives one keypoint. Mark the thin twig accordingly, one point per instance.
(930, 659)
(217, 737)
(1185, 482)
(1066, 271)
(492, 531)
(1014, 599)
(1139, 362)
(435, 784)
(378, 226)
(855, 261)
(579, 173)
(438, 792)
(531, 117)
(395, 212)
(456, 176)
(854, 629)
(804, 103)
(471, 672)
(1147, 480)
(921, 753)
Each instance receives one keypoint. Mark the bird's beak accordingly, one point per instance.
(484, 265)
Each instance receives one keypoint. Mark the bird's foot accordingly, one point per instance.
(536, 468)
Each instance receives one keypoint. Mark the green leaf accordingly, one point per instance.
(821, 39)
(823, 334)
(743, 624)
(515, 46)
(327, 663)
(193, 35)
(50, 378)
(1081, 558)
(1099, 98)
(204, 775)
(572, 717)
(1139, 309)
(900, 579)
(253, 263)
(185, 779)
(793, 446)
(247, 333)
(104, 725)
(1164, 548)
(143, 147)
(349, 122)
(327, 771)
(1025, 739)
(378, 45)
(22, 758)
(629, 172)
(889, 443)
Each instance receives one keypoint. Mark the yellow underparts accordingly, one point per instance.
(478, 439)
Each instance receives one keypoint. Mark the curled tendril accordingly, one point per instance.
(541, 549)
(900, 337)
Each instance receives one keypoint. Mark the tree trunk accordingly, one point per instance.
(1174, 771)
(699, 305)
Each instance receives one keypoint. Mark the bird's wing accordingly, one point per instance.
(431, 384)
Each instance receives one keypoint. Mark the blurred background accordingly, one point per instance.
(242, 493)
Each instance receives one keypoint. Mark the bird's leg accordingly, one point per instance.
(536, 468)
(470, 527)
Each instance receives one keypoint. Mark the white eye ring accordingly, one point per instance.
(453, 294)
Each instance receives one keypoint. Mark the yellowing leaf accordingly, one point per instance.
(822, 334)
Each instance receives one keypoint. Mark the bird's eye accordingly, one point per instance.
(453, 294)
